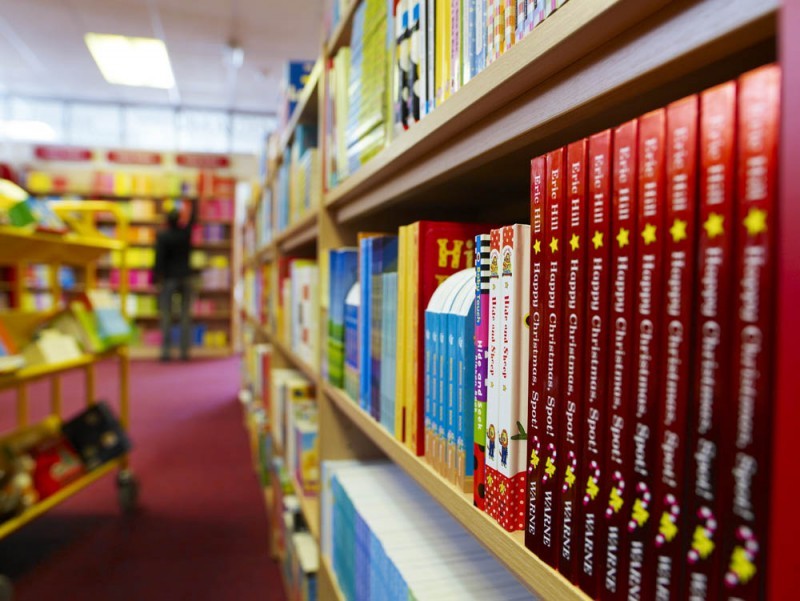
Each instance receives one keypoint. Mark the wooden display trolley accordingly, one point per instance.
(81, 249)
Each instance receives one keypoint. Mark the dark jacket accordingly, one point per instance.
(173, 247)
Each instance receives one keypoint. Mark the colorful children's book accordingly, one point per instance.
(616, 485)
(383, 260)
(493, 379)
(343, 264)
(572, 409)
(388, 350)
(481, 366)
(746, 441)
(669, 517)
(597, 327)
(435, 251)
(464, 318)
(647, 347)
(403, 275)
(706, 506)
(352, 306)
(513, 381)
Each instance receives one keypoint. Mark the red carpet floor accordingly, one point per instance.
(201, 532)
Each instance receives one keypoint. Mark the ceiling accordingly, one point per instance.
(42, 52)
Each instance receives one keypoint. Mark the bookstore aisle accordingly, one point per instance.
(201, 531)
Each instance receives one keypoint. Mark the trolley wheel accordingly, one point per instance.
(127, 492)
(6, 589)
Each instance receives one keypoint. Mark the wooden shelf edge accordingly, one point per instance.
(509, 549)
(311, 373)
(59, 497)
(299, 234)
(26, 374)
(303, 104)
(332, 583)
(337, 36)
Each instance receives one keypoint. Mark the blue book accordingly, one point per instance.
(479, 55)
(343, 264)
(384, 260)
(364, 323)
(351, 350)
(388, 350)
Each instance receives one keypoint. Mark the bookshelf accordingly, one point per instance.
(591, 65)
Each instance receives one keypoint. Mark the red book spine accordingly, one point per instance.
(746, 444)
(536, 358)
(676, 314)
(647, 346)
(598, 294)
(616, 474)
(547, 471)
(571, 413)
(705, 507)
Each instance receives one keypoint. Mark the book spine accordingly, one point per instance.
(422, 51)
(411, 417)
(430, 362)
(536, 365)
(493, 383)
(571, 411)
(617, 472)
(597, 326)
(442, 396)
(510, 33)
(746, 444)
(547, 547)
(430, 41)
(671, 441)
(481, 366)
(455, 45)
(705, 507)
(522, 15)
(451, 398)
(466, 369)
(400, 349)
(647, 348)
(480, 36)
(514, 280)
(376, 320)
(364, 324)
(415, 47)
(490, 16)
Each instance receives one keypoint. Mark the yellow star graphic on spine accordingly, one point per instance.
(537, 246)
(550, 467)
(554, 245)
(502, 488)
(668, 529)
(534, 458)
(591, 487)
(640, 514)
(597, 239)
(615, 500)
(575, 242)
(714, 225)
(569, 477)
(756, 222)
(702, 543)
(742, 566)
(623, 238)
(678, 230)
(649, 233)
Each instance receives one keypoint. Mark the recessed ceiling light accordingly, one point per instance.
(128, 61)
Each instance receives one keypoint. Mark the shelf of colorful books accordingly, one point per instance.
(576, 71)
(508, 548)
(306, 108)
(329, 585)
(220, 316)
(59, 497)
(340, 36)
(196, 352)
(37, 247)
(35, 372)
(301, 234)
(309, 505)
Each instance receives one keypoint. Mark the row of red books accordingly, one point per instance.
(651, 340)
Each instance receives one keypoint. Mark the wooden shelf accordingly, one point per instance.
(301, 234)
(306, 108)
(309, 505)
(340, 36)
(195, 352)
(588, 58)
(36, 372)
(69, 249)
(213, 245)
(329, 583)
(223, 315)
(309, 372)
(62, 495)
(508, 548)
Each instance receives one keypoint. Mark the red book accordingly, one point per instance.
(711, 386)
(746, 443)
(548, 463)
(672, 445)
(439, 250)
(598, 296)
(647, 345)
(536, 360)
(617, 472)
(571, 414)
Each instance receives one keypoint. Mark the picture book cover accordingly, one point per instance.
(746, 443)
(554, 274)
(343, 264)
(464, 316)
(515, 352)
(649, 265)
(536, 367)
(352, 305)
(384, 260)
(575, 243)
(706, 507)
(616, 475)
(401, 350)
(669, 515)
(388, 350)
(438, 249)
(598, 326)
(481, 367)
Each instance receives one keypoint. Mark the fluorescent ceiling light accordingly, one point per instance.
(127, 61)
(32, 131)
